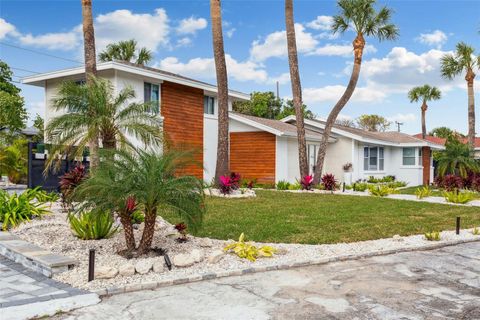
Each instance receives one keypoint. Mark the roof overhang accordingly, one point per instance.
(39, 79)
(420, 143)
(271, 130)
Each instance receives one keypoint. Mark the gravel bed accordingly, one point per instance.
(53, 233)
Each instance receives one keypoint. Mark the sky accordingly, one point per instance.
(41, 36)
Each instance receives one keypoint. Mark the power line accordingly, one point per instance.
(20, 69)
(41, 53)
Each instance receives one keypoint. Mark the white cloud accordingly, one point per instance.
(184, 42)
(6, 28)
(437, 38)
(191, 25)
(323, 23)
(229, 33)
(205, 68)
(340, 50)
(282, 79)
(403, 117)
(275, 44)
(150, 31)
(52, 41)
(334, 92)
(34, 108)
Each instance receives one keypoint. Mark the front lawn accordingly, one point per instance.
(323, 218)
(435, 192)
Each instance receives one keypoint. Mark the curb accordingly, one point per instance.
(110, 291)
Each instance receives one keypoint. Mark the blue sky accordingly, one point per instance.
(178, 32)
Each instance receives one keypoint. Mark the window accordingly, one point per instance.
(312, 157)
(373, 159)
(151, 93)
(208, 105)
(408, 156)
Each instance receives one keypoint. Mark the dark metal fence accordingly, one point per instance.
(36, 167)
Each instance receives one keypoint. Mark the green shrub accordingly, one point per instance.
(458, 197)
(423, 192)
(295, 186)
(92, 225)
(348, 187)
(137, 217)
(15, 209)
(248, 251)
(41, 195)
(380, 190)
(397, 184)
(432, 236)
(361, 186)
(283, 185)
(476, 231)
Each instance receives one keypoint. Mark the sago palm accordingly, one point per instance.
(126, 51)
(361, 16)
(456, 159)
(152, 182)
(424, 94)
(114, 119)
(463, 60)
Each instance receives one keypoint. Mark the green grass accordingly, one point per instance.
(323, 218)
(435, 192)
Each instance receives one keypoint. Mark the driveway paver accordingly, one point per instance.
(437, 284)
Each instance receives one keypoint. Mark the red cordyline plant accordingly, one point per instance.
(229, 183)
(70, 180)
(307, 182)
(329, 182)
(182, 229)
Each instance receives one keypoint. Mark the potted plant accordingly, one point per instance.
(347, 173)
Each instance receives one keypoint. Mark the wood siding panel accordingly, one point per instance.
(252, 154)
(182, 109)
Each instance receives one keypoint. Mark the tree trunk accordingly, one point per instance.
(424, 126)
(222, 166)
(358, 45)
(296, 87)
(126, 221)
(148, 231)
(90, 66)
(470, 76)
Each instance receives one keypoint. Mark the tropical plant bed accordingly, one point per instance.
(238, 193)
(53, 233)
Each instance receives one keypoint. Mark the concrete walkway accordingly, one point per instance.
(25, 293)
(437, 284)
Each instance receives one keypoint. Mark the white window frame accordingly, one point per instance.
(210, 98)
(414, 156)
(310, 157)
(380, 163)
(152, 85)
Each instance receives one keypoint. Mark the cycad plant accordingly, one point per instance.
(114, 119)
(424, 94)
(456, 159)
(362, 17)
(147, 182)
(463, 60)
(126, 51)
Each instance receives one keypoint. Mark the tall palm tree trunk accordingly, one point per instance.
(90, 65)
(222, 166)
(296, 87)
(424, 125)
(470, 76)
(358, 45)
(148, 231)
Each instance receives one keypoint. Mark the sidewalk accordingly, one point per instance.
(25, 293)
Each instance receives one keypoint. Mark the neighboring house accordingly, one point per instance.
(261, 149)
(441, 141)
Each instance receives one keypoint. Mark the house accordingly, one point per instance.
(442, 141)
(261, 149)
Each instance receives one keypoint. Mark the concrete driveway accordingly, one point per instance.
(438, 284)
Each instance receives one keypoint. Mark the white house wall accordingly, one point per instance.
(338, 154)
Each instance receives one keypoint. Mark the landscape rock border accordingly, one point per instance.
(196, 278)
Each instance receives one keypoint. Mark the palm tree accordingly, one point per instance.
(222, 166)
(424, 93)
(13, 160)
(296, 87)
(148, 182)
(126, 51)
(463, 60)
(366, 21)
(456, 159)
(114, 119)
(90, 66)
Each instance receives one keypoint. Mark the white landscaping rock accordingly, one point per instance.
(216, 256)
(105, 272)
(158, 266)
(197, 255)
(143, 266)
(126, 270)
(183, 260)
(206, 243)
(239, 193)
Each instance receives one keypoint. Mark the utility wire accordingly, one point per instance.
(20, 69)
(41, 53)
